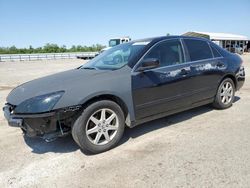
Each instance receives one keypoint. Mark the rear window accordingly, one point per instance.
(198, 49)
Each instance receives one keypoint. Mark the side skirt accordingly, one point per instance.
(171, 112)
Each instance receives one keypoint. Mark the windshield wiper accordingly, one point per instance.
(89, 68)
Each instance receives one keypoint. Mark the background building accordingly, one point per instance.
(231, 42)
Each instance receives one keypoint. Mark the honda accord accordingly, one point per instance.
(127, 85)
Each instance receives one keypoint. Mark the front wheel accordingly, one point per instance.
(100, 127)
(225, 94)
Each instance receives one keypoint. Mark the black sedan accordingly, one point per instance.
(126, 85)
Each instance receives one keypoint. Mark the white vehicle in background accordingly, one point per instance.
(235, 49)
(116, 41)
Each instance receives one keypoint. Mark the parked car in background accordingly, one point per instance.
(154, 78)
(235, 49)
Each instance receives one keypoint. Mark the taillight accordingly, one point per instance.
(242, 71)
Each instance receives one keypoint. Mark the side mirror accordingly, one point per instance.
(148, 64)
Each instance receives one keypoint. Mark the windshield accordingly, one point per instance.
(115, 57)
(114, 42)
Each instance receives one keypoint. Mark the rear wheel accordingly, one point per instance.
(100, 127)
(225, 94)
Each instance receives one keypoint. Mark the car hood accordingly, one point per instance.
(64, 81)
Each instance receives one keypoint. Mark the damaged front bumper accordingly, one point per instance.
(48, 125)
(12, 121)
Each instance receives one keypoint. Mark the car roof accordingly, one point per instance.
(160, 38)
(153, 40)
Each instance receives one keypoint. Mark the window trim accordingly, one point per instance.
(185, 50)
(165, 40)
(187, 59)
(213, 47)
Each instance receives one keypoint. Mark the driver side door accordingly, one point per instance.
(165, 88)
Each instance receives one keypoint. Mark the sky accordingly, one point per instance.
(87, 22)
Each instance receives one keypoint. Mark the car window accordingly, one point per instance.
(198, 49)
(167, 52)
(215, 52)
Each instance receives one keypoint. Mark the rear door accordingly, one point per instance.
(165, 88)
(206, 68)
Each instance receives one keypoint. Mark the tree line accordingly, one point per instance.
(51, 48)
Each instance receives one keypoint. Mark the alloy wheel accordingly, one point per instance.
(226, 93)
(102, 126)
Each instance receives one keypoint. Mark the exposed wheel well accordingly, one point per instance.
(111, 98)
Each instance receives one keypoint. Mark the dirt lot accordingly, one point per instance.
(202, 147)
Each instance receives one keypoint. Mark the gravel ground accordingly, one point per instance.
(202, 147)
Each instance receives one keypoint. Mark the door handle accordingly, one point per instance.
(184, 72)
(220, 64)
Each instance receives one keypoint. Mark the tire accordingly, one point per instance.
(95, 132)
(73, 132)
(225, 94)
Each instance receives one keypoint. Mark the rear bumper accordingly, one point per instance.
(240, 78)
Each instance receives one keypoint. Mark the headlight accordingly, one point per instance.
(39, 104)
